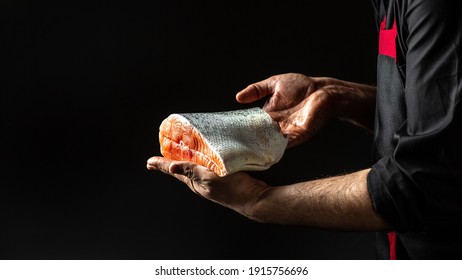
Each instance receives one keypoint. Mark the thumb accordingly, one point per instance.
(255, 91)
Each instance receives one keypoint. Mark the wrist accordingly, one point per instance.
(338, 93)
(257, 208)
(350, 101)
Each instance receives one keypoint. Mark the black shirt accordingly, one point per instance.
(416, 179)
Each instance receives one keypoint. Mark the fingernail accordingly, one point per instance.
(151, 161)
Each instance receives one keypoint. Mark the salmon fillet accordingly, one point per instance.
(224, 142)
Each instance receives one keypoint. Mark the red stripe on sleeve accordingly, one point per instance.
(392, 242)
(387, 40)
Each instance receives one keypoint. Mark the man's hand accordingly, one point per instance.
(302, 105)
(238, 191)
(297, 103)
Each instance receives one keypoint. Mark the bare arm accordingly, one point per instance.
(340, 202)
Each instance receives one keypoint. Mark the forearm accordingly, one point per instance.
(340, 202)
(352, 102)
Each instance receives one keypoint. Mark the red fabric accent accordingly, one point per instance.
(392, 242)
(387, 39)
(383, 24)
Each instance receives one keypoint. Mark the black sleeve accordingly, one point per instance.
(419, 186)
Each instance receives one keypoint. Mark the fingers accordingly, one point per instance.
(193, 175)
(159, 163)
(255, 91)
(183, 171)
(183, 168)
(168, 166)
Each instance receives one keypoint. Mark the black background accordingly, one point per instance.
(84, 89)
